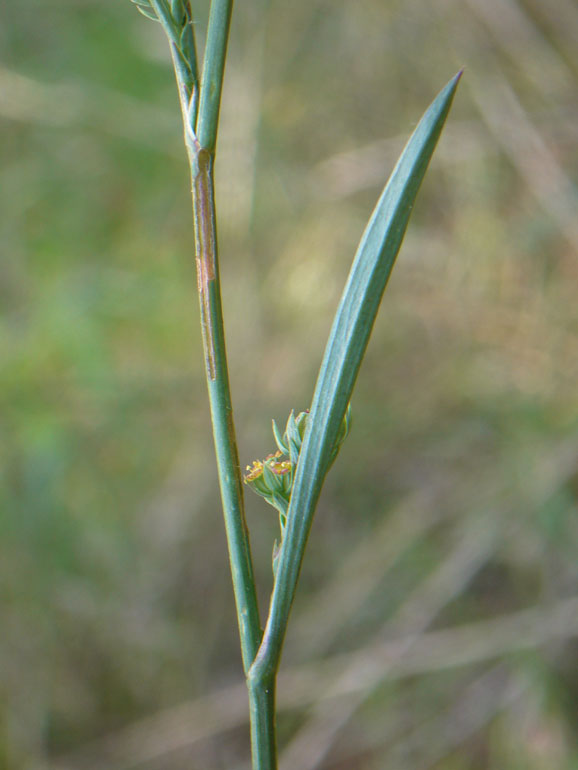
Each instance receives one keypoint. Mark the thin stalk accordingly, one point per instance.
(262, 717)
(200, 108)
(220, 403)
(213, 70)
(205, 112)
(201, 159)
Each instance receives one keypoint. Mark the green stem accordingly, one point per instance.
(213, 70)
(261, 690)
(220, 404)
(262, 715)
(212, 325)
(201, 116)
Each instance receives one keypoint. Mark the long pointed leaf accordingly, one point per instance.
(344, 353)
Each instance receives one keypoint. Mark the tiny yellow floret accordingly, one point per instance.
(255, 471)
(280, 468)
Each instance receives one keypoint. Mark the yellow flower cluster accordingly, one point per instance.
(274, 464)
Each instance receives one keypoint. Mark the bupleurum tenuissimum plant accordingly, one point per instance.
(291, 477)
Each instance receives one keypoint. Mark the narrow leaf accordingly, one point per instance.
(345, 349)
(146, 11)
(362, 295)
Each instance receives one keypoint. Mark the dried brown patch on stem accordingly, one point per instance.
(205, 250)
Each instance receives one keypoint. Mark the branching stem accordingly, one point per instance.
(220, 404)
(201, 160)
(200, 108)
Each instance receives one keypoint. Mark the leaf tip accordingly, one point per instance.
(451, 87)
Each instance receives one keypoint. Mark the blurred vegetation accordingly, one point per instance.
(437, 620)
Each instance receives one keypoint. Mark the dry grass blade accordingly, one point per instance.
(314, 740)
(515, 132)
(214, 714)
(363, 569)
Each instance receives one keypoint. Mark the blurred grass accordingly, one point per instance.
(453, 501)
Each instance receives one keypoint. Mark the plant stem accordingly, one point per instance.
(262, 716)
(213, 70)
(220, 403)
(200, 109)
(201, 157)
(203, 116)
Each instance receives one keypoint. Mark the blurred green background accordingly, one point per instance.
(436, 624)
